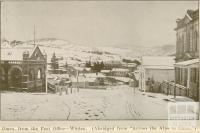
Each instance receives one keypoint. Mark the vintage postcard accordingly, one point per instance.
(100, 61)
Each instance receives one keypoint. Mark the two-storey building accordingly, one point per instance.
(23, 68)
(187, 53)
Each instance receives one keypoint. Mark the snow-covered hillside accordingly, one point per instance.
(76, 53)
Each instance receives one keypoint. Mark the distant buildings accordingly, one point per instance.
(187, 52)
(88, 80)
(23, 68)
(121, 72)
(155, 70)
(106, 72)
(130, 66)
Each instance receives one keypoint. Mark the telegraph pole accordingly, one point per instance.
(0, 56)
(199, 58)
(0, 46)
(34, 36)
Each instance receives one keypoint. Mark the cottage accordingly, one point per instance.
(23, 68)
(130, 66)
(106, 72)
(121, 72)
(85, 82)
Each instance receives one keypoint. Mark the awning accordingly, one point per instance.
(194, 63)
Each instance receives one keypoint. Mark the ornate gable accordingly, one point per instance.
(37, 54)
(181, 23)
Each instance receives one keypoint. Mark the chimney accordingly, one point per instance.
(25, 55)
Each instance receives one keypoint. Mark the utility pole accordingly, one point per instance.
(34, 35)
(77, 80)
(46, 72)
(199, 58)
(0, 47)
(0, 50)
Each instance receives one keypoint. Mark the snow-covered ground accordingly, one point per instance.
(119, 102)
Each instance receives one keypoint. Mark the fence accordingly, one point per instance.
(170, 88)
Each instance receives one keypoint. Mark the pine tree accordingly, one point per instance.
(89, 64)
(102, 65)
(66, 65)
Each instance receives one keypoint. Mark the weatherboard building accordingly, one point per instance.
(23, 68)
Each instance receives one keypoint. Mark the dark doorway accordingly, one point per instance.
(16, 78)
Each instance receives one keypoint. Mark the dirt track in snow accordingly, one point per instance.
(118, 103)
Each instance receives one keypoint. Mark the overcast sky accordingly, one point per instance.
(95, 23)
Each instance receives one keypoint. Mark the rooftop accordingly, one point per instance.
(158, 61)
(120, 70)
(191, 63)
(83, 79)
(105, 71)
(194, 14)
(191, 15)
(160, 67)
(92, 75)
(16, 53)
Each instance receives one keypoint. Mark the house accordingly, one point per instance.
(122, 80)
(106, 72)
(121, 72)
(88, 80)
(85, 82)
(187, 53)
(130, 66)
(86, 70)
(155, 69)
(80, 82)
(23, 68)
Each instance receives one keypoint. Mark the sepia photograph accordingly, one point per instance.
(99, 60)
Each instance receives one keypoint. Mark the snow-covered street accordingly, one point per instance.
(119, 102)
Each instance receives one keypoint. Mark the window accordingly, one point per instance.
(197, 75)
(31, 75)
(195, 41)
(39, 74)
(182, 44)
(190, 41)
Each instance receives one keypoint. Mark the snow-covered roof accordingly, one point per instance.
(120, 70)
(158, 62)
(58, 76)
(83, 79)
(87, 68)
(105, 71)
(93, 75)
(129, 64)
(16, 53)
(123, 79)
(193, 62)
(79, 68)
(159, 67)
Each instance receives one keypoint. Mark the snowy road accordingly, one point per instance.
(117, 103)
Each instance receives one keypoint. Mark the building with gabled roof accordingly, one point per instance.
(121, 72)
(23, 67)
(155, 69)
